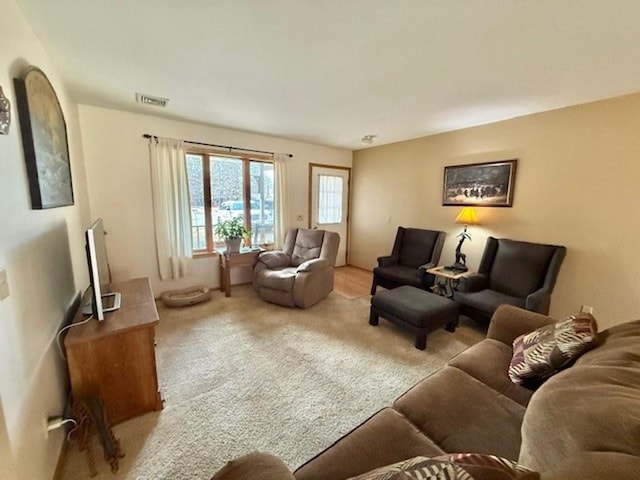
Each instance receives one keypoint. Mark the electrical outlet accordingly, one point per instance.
(299, 218)
(4, 284)
(586, 309)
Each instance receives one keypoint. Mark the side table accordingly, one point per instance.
(446, 280)
(246, 257)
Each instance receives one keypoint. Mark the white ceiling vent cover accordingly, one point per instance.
(151, 100)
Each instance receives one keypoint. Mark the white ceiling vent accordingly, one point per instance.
(151, 100)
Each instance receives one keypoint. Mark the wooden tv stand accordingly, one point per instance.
(116, 358)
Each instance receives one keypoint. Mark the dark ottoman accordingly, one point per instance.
(418, 310)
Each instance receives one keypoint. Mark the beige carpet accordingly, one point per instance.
(240, 375)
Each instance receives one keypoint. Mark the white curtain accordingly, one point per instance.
(280, 161)
(171, 207)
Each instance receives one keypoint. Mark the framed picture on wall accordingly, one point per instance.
(480, 184)
(44, 139)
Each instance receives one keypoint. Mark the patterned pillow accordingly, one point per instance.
(453, 466)
(543, 352)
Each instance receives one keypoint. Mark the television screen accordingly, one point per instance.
(99, 274)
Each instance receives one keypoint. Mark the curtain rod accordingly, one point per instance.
(228, 147)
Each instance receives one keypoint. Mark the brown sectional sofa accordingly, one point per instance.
(583, 423)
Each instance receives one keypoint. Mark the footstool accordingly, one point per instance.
(417, 310)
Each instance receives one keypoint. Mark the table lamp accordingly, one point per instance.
(467, 216)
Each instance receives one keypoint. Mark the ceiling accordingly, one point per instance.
(332, 71)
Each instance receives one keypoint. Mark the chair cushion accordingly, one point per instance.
(307, 245)
(487, 300)
(417, 247)
(277, 279)
(519, 268)
(399, 275)
(543, 352)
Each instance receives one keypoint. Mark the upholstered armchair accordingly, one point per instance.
(511, 272)
(414, 251)
(301, 274)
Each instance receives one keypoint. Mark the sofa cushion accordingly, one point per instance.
(543, 352)
(458, 466)
(488, 361)
(593, 406)
(256, 466)
(387, 437)
(461, 414)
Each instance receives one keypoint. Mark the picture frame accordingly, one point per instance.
(44, 139)
(488, 184)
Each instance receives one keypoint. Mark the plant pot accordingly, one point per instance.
(233, 244)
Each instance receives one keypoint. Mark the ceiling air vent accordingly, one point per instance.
(151, 100)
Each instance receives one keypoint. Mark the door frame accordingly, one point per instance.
(310, 200)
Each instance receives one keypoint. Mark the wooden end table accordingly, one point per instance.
(246, 257)
(446, 280)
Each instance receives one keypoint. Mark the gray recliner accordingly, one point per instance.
(301, 274)
(511, 272)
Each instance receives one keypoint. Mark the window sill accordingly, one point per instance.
(205, 254)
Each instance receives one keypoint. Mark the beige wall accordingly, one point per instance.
(119, 184)
(577, 185)
(43, 253)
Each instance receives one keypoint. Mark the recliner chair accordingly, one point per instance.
(301, 274)
(414, 251)
(511, 272)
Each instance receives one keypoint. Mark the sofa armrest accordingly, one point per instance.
(538, 301)
(595, 466)
(386, 261)
(509, 322)
(313, 265)
(255, 466)
(473, 283)
(275, 259)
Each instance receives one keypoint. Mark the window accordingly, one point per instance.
(330, 199)
(218, 187)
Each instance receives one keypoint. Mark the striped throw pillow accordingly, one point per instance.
(452, 466)
(543, 352)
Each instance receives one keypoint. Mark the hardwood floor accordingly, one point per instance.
(352, 282)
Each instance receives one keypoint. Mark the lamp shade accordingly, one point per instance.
(467, 216)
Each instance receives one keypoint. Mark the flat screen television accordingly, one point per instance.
(101, 301)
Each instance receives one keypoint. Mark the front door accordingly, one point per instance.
(330, 203)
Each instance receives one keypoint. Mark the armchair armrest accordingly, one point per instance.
(509, 322)
(538, 301)
(313, 264)
(255, 466)
(386, 261)
(473, 283)
(423, 268)
(275, 259)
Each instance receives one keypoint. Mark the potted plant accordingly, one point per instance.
(232, 231)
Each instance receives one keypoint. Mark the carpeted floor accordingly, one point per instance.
(239, 374)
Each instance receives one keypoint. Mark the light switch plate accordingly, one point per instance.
(4, 284)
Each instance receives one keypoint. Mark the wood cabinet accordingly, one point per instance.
(116, 358)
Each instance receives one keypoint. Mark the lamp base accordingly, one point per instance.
(457, 267)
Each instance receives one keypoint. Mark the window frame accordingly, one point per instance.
(246, 158)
